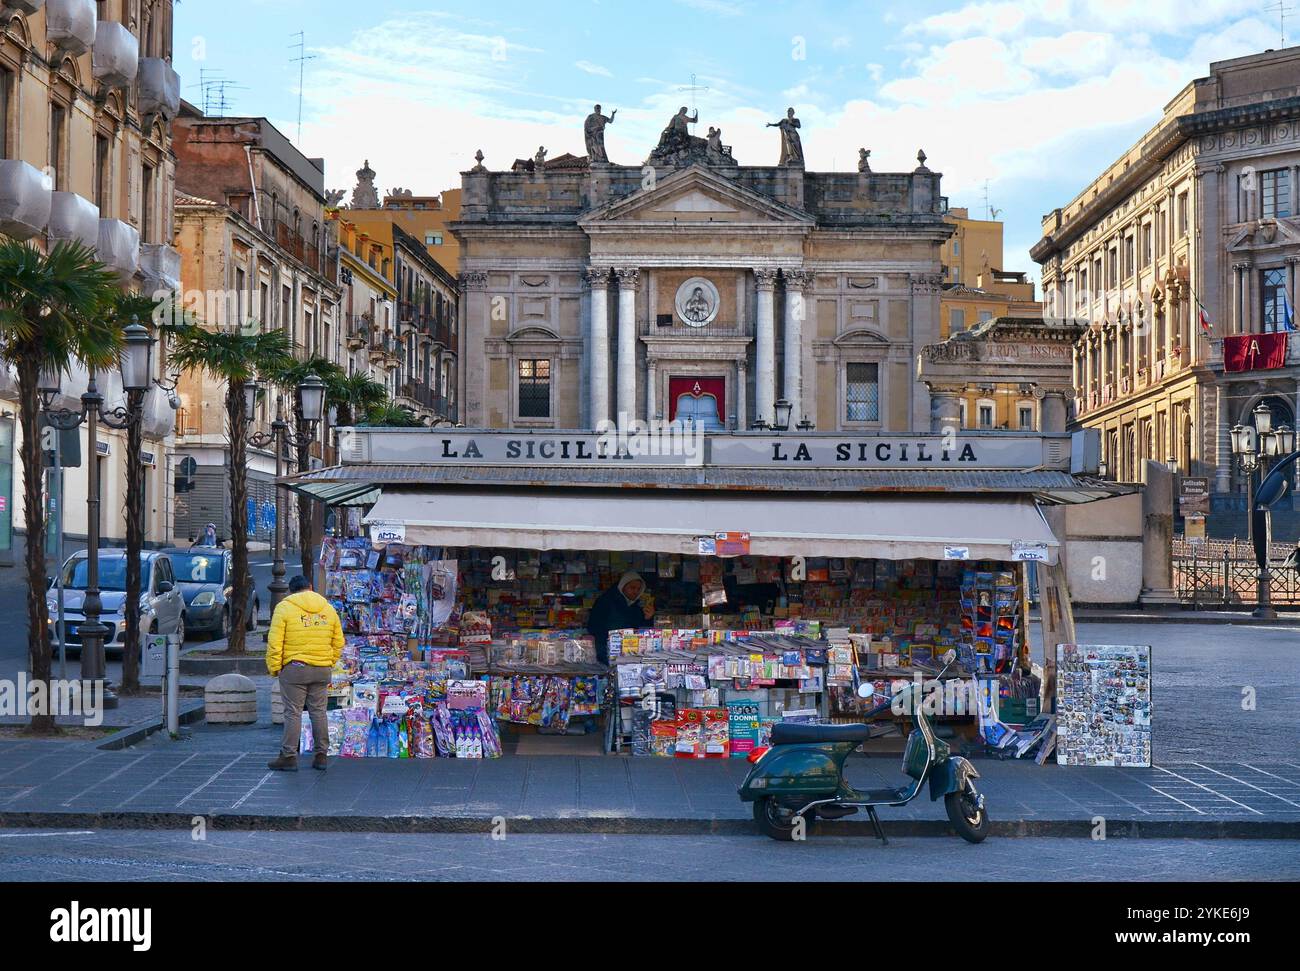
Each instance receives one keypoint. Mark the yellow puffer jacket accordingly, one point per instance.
(304, 628)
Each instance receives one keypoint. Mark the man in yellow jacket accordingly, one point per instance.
(304, 644)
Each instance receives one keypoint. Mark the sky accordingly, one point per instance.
(1019, 103)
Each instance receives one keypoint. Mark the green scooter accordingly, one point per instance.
(801, 775)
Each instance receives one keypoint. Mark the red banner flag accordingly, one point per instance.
(1254, 352)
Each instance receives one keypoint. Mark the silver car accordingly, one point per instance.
(162, 608)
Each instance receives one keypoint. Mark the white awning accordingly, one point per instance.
(864, 526)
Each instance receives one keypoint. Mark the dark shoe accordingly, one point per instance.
(284, 763)
(320, 761)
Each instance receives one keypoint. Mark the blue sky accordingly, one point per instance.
(1031, 97)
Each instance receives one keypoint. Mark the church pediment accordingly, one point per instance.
(695, 195)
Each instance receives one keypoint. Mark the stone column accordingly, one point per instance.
(1055, 413)
(742, 391)
(945, 408)
(651, 389)
(628, 278)
(597, 278)
(475, 309)
(1157, 534)
(765, 347)
(1223, 441)
(796, 283)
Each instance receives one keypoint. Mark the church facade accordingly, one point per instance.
(692, 288)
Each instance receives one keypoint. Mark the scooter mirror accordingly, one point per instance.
(866, 690)
(950, 656)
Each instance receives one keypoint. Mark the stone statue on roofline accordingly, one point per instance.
(678, 147)
(791, 143)
(594, 130)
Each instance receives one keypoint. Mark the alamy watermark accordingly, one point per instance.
(26, 697)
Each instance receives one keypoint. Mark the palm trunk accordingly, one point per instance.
(38, 632)
(238, 514)
(134, 545)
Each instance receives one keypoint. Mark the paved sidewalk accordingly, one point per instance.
(165, 784)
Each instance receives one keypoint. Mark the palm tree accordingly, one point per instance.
(288, 378)
(236, 357)
(391, 415)
(51, 314)
(131, 308)
(353, 396)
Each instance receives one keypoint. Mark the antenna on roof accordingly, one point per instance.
(213, 87)
(1281, 10)
(988, 209)
(301, 60)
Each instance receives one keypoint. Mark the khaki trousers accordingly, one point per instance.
(304, 684)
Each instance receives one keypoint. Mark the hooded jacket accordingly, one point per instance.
(305, 628)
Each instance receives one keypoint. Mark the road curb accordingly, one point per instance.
(138, 732)
(633, 826)
(1225, 621)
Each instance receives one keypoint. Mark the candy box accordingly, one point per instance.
(690, 734)
(663, 738)
(717, 735)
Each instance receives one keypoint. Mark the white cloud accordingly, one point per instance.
(588, 68)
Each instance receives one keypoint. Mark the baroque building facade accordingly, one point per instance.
(692, 288)
(1186, 245)
(87, 100)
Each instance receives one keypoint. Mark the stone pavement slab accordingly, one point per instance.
(166, 784)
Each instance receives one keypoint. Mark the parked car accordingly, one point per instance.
(204, 578)
(162, 609)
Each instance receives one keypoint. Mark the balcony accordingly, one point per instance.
(25, 200)
(119, 247)
(160, 88)
(358, 331)
(73, 218)
(70, 25)
(116, 60)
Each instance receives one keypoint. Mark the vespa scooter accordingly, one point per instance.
(801, 775)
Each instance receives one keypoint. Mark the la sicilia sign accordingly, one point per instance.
(787, 451)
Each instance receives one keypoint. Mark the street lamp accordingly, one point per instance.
(135, 362)
(1254, 448)
(311, 406)
(806, 425)
(783, 409)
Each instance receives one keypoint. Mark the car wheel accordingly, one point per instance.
(252, 616)
(180, 630)
(223, 632)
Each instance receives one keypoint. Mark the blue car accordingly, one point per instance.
(204, 579)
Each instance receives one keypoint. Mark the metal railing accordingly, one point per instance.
(1222, 573)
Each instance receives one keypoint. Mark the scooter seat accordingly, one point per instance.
(795, 734)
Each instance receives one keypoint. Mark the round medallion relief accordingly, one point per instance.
(697, 302)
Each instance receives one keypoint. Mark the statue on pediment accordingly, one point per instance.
(678, 147)
(791, 143)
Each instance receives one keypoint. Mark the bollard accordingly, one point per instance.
(230, 699)
(173, 686)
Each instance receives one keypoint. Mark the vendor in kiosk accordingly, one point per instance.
(626, 605)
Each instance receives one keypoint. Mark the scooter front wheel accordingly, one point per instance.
(774, 820)
(967, 815)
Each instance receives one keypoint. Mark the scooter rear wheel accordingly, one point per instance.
(968, 818)
(773, 819)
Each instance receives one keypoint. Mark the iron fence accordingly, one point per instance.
(1222, 573)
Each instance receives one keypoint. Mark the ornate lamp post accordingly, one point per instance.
(136, 363)
(1255, 449)
(783, 410)
(311, 405)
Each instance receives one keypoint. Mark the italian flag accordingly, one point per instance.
(1207, 328)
